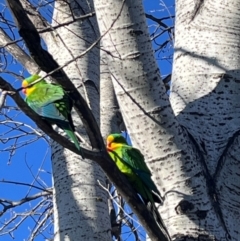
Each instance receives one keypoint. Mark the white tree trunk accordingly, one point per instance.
(181, 174)
(80, 204)
(144, 103)
(205, 98)
(110, 113)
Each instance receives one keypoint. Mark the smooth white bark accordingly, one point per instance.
(145, 106)
(110, 113)
(205, 98)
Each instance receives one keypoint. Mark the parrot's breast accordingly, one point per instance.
(122, 166)
(29, 90)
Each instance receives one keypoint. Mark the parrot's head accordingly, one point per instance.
(27, 82)
(115, 139)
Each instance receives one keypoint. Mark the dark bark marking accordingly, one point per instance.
(198, 7)
(183, 207)
(211, 181)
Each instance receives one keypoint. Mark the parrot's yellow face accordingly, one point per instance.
(115, 141)
(110, 139)
(26, 90)
(28, 81)
(24, 85)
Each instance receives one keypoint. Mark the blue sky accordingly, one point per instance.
(31, 160)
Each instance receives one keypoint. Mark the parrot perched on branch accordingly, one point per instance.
(130, 162)
(52, 103)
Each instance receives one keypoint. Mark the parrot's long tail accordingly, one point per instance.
(74, 138)
(153, 209)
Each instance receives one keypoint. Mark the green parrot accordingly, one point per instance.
(52, 103)
(130, 162)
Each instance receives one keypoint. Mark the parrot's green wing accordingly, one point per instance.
(43, 95)
(50, 101)
(133, 158)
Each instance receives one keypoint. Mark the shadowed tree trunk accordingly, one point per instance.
(189, 151)
(205, 99)
(81, 211)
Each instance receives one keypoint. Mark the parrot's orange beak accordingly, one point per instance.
(109, 141)
(24, 85)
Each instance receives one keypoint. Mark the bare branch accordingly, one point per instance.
(27, 184)
(3, 98)
(35, 117)
(7, 204)
(12, 47)
(51, 28)
(48, 64)
(41, 222)
(19, 218)
(157, 20)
